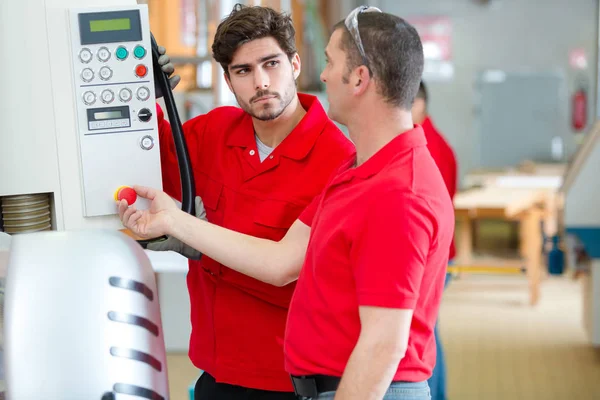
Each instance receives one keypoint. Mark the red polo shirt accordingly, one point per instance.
(444, 157)
(380, 236)
(238, 323)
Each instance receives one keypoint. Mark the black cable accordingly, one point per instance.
(188, 189)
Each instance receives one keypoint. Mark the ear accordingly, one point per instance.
(296, 65)
(228, 82)
(360, 80)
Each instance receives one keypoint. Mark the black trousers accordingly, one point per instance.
(208, 389)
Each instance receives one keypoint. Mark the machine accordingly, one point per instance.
(78, 113)
(80, 124)
(82, 319)
(80, 326)
(582, 222)
(580, 192)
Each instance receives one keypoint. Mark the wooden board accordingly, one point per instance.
(497, 202)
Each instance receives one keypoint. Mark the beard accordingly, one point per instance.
(270, 110)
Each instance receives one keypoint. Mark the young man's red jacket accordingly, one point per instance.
(444, 157)
(238, 323)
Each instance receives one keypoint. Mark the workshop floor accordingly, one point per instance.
(182, 374)
(497, 346)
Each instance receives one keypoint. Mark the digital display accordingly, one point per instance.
(98, 116)
(110, 25)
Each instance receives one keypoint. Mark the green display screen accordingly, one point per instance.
(108, 115)
(108, 25)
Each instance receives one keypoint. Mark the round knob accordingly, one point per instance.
(107, 96)
(147, 142)
(126, 193)
(89, 98)
(145, 115)
(139, 52)
(122, 53)
(125, 95)
(85, 55)
(103, 54)
(141, 70)
(143, 93)
(105, 73)
(87, 75)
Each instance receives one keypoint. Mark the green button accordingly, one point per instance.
(122, 53)
(139, 52)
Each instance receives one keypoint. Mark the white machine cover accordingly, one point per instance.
(82, 319)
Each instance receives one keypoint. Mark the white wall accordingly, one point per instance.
(513, 35)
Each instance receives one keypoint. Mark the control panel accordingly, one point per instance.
(115, 101)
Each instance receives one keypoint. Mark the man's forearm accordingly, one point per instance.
(369, 371)
(261, 259)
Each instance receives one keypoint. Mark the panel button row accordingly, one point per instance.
(115, 123)
(88, 74)
(104, 54)
(108, 96)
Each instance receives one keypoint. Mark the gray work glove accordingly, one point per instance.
(175, 244)
(166, 66)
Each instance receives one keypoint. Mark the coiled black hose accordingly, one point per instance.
(188, 189)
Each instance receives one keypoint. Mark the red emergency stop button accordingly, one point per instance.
(126, 193)
(141, 70)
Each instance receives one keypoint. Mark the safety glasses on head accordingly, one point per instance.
(352, 26)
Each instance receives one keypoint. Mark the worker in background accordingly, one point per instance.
(370, 253)
(256, 169)
(444, 157)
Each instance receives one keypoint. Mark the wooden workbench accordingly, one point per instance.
(523, 205)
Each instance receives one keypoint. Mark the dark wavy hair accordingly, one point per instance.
(245, 24)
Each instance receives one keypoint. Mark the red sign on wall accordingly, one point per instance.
(436, 37)
(578, 59)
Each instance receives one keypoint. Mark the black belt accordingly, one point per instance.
(312, 385)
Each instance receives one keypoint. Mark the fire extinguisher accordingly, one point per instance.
(579, 109)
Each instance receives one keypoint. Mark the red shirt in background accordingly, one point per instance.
(444, 157)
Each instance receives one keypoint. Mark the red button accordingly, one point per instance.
(141, 70)
(126, 193)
